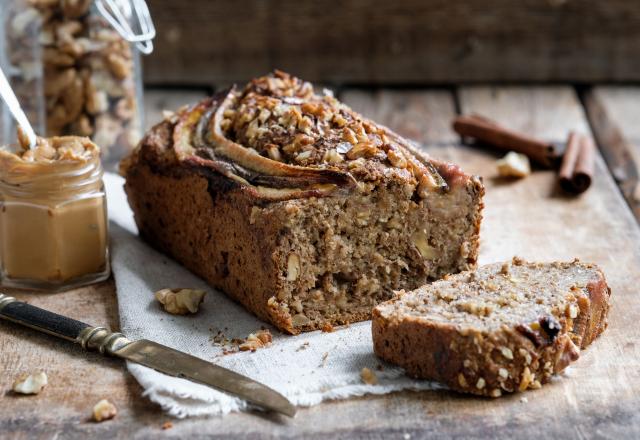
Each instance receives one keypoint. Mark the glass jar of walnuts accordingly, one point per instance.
(74, 70)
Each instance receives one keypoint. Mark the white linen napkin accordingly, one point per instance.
(307, 369)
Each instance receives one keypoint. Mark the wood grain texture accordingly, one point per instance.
(413, 41)
(422, 115)
(598, 398)
(614, 113)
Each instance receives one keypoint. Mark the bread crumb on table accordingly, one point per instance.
(327, 327)
(167, 425)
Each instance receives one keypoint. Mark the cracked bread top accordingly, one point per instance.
(284, 140)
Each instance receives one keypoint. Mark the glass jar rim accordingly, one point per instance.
(57, 180)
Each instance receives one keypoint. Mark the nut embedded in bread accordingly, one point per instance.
(296, 206)
(505, 327)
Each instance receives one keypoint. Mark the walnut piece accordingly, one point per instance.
(421, 243)
(180, 301)
(256, 340)
(368, 376)
(514, 165)
(30, 383)
(293, 267)
(104, 410)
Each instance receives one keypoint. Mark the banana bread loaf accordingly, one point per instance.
(299, 208)
(502, 328)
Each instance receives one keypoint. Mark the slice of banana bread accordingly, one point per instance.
(505, 327)
(299, 208)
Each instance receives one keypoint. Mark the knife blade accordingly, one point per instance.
(148, 353)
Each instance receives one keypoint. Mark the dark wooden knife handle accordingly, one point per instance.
(40, 319)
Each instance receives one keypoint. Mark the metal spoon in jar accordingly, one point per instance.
(6, 92)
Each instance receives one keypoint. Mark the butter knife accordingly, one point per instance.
(144, 352)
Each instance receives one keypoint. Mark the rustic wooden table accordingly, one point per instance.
(598, 398)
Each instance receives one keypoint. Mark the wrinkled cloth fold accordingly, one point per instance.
(307, 368)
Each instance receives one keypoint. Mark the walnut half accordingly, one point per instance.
(180, 301)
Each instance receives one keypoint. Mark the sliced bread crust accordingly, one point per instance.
(505, 327)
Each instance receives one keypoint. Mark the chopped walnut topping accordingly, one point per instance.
(274, 153)
(332, 156)
(362, 149)
(396, 158)
(526, 379)
(281, 119)
(507, 353)
(349, 136)
(525, 354)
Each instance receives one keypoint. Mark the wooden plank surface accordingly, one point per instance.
(413, 41)
(423, 115)
(531, 218)
(156, 101)
(597, 398)
(614, 113)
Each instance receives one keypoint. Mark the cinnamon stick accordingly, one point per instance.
(576, 171)
(490, 132)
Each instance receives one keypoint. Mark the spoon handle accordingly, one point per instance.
(14, 107)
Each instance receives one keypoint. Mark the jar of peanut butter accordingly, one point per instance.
(53, 221)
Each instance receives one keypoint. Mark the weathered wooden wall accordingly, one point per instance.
(396, 42)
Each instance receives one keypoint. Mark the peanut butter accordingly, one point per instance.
(53, 225)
